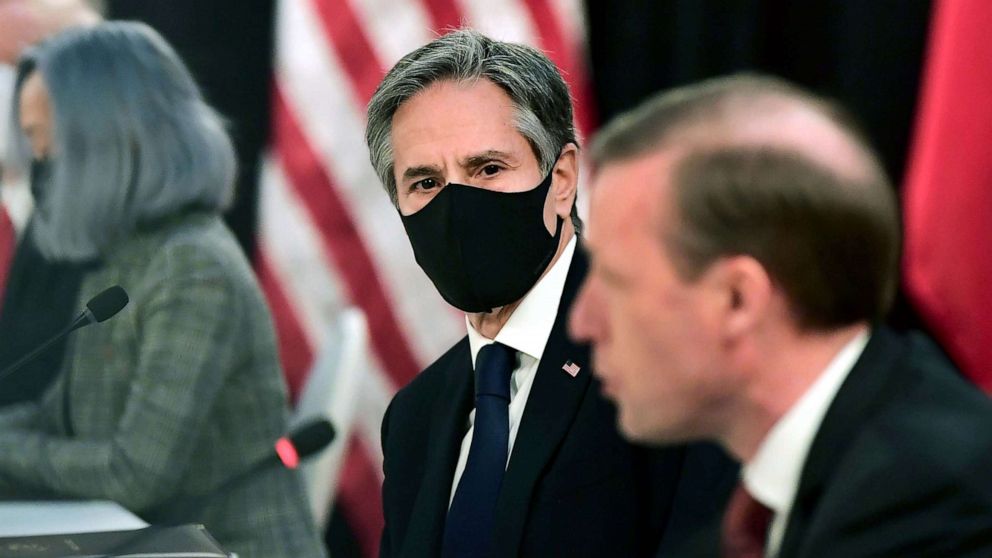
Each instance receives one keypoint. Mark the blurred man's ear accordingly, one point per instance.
(746, 292)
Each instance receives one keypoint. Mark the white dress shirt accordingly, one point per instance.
(772, 476)
(527, 330)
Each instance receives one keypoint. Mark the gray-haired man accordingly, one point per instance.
(474, 142)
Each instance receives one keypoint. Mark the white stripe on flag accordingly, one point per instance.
(293, 248)
(572, 17)
(510, 21)
(373, 398)
(393, 28)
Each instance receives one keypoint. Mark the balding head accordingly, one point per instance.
(768, 170)
(742, 111)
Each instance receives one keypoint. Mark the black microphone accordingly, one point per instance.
(104, 306)
(304, 442)
(100, 308)
(288, 452)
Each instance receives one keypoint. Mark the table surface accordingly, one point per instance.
(64, 516)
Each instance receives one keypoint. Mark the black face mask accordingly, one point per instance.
(41, 176)
(483, 249)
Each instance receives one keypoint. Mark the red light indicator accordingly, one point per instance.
(287, 453)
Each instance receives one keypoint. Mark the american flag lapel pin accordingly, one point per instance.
(571, 368)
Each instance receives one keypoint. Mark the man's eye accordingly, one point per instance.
(491, 170)
(425, 184)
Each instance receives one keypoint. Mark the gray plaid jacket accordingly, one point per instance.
(167, 407)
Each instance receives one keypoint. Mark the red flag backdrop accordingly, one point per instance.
(948, 192)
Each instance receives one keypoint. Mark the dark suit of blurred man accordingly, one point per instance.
(745, 243)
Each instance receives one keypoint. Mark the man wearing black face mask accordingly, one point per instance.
(504, 446)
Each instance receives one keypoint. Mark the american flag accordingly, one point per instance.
(328, 236)
(571, 368)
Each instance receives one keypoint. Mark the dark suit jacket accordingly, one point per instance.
(902, 464)
(573, 486)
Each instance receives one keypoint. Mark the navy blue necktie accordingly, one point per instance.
(468, 530)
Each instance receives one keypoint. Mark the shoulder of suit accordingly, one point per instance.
(937, 422)
(185, 243)
(428, 382)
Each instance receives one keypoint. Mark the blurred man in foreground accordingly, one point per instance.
(744, 242)
(504, 446)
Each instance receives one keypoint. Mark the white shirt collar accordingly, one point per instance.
(528, 328)
(772, 477)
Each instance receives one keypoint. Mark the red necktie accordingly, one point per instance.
(745, 526)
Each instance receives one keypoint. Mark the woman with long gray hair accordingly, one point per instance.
(167, 408)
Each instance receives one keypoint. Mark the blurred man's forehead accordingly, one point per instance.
(631, 186)
(627, 197)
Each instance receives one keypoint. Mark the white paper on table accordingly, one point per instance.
(64, 516)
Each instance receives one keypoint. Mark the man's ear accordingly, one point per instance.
(565, 180)
(745, 294)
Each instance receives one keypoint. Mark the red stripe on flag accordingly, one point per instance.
(355, 52)
(295, 351)
(948, 192)
(8, 243)
(342, 241)
(444, 14)
(358, 491)
(562, 51)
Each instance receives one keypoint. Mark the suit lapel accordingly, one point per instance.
(551, 407)
(448, 427)
(871, 380)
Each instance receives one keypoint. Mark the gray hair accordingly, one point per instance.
(134, 142)
(532, 81)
